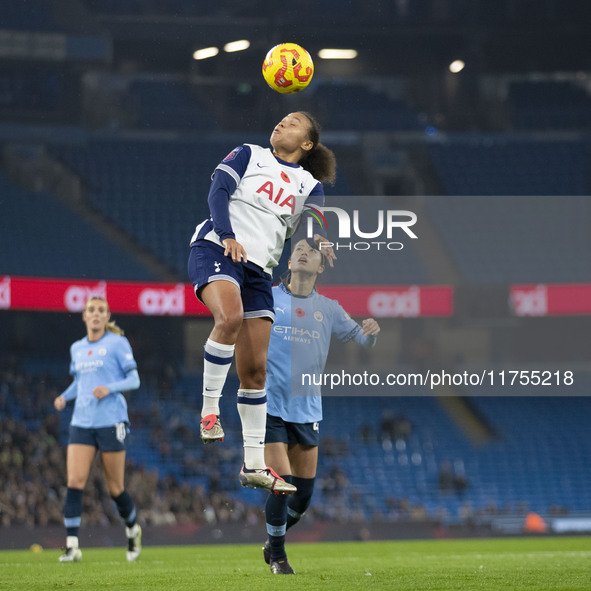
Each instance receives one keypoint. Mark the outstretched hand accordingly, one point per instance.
(325, 247)
(370, 327)
(235, 250)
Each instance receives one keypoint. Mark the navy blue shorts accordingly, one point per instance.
(103, 438)
(280, 431)
(207, 263)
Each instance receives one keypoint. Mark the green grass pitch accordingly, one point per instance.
(533, 564)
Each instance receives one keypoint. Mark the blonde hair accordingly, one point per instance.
(111, 326)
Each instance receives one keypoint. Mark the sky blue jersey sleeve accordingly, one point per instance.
(125, 356)
(71, 391)
(130, 382)
(346, 329)
(225, 179)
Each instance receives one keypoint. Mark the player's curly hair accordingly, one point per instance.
(111, 326)
(320, 161)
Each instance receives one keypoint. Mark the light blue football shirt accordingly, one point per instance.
(300, 340)
(100, 363)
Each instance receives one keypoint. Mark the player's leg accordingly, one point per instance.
(303, 460)
(112, 445)
(217, 280)
(251, 362)
(251, 366)
(79, 460)
(276, 439)
(224, 301)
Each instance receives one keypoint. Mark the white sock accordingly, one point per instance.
(72, 542)
(132, 532)
(252, 408)
(216, 364)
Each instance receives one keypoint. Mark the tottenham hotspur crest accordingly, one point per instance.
(217, 267)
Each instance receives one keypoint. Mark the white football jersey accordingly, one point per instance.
(266, 206)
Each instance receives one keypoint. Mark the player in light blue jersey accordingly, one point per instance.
(103, 367)
(256, 200)
(305, 321)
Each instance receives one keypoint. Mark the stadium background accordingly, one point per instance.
(109, 132)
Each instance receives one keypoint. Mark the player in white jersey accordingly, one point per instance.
(256, 200)
(103, 367)
(299, 344)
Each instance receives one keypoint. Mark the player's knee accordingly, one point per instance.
(229, 323)
(114, 489)
(301, 499)
(76, 482)
(304, 498)
(253, 377)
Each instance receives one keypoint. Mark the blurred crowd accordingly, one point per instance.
(169, 475)
(33, 487)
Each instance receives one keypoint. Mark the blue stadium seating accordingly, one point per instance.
(31, 91)
(538, 459)
(516, 239)
(499, 164)
(42, 238)
(169, 105)
(549, 105)
(27, 15)
(360, 107)
(155, 191)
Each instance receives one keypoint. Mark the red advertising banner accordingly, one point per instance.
(69, 295)
(381, 301)
(178, 299)
(565, 299)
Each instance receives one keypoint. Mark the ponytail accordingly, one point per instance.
(320, 161)
(114, 328)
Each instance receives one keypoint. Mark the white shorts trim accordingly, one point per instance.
(213, 278)
(260, 314)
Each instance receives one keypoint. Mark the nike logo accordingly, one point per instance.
(261, 165)
(210, 389)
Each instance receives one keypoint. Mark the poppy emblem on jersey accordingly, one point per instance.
(318, 315)
(285, 177)
(300, 313)
(89, 353)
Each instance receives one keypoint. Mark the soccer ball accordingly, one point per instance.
(288, 68)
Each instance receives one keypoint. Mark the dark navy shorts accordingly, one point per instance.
(103, 438)
(207, 263)
(280, 431)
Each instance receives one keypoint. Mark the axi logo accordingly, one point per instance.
(387, 222)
